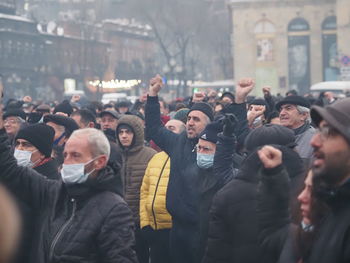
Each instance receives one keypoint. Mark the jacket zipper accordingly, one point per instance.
(61, 231)
(155, 193)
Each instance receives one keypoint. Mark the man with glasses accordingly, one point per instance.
(331, 182)
(13, 119)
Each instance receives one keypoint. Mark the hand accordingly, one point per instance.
(266, 90)
(270, 157)
(212, 94)
(27, 99)
(62, 114)
(155, 86)
(244, 87)
(75, 98)
(230, 123)
(198, 97)
(257, 110)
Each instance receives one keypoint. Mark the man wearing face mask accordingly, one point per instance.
(33, 147)
(210, 160)
(81, 218)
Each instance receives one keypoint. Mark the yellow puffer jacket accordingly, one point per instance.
(153, 211)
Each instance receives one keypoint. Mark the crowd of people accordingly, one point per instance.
(229, 178)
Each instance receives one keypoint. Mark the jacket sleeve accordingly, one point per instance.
(154, 128)
(240, 111)
(144, 192)
(218, 245)
(223, 159)
(28, 185)
(273, 210)
(116, 238)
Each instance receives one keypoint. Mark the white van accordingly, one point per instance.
(337, 87)
(115, 97)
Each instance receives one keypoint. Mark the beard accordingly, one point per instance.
(335, 170)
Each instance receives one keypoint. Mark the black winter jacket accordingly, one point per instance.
(277, 235)
(234, 226)
(81, 223)
(211, 181)
(49, 170)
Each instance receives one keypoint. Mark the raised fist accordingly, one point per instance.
(244, 87)
(198, 97)
(155, 85)
(270, 157)
(27, 99)
(266, 90)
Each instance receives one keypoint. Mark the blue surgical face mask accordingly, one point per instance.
(75, 173)
(24, 158)
(205, 161)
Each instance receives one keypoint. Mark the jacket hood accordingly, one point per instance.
(252, 164)
(135, 123)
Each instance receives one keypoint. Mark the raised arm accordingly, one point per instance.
(154, 128)
(31, 187)
(225, 149)
(273, 202)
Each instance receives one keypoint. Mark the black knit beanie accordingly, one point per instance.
(40, 135)
(64, 107)
(203, 107)
(211, 131)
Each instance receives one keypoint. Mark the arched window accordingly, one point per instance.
(264, 32)
(330, 49)
(299, 55)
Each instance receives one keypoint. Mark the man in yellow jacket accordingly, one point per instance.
(155, 221)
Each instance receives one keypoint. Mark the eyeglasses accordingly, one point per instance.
(11, 121)
(199, 148)
(326, 131)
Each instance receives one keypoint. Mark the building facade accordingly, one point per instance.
(290, 44)
(41, 59)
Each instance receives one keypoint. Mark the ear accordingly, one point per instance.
(304, 116)
(91, 125)
(101, 162)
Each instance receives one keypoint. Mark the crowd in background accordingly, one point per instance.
(209, 178)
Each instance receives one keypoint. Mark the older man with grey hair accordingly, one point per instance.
(81, 218)
(294, 113)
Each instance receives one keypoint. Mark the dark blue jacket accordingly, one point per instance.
(182, 194)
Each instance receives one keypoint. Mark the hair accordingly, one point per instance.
(303, 110)
(207, 119)
(98, 142)
(86, 116)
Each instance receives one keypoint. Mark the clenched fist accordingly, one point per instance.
(244, 87)
(270, 157)
(155, 85)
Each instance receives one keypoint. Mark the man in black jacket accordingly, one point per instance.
(81, 218)
(33, 147)
(183, 192)
(331, 181)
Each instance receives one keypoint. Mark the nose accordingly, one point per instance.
(302, 196)
(316, 140)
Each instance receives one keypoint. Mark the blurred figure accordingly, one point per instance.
(9, 226)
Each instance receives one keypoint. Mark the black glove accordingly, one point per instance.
(230, 123)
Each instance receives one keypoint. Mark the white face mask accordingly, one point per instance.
(75, 173)
(24, 158)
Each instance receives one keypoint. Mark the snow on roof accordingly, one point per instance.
(17, 18)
